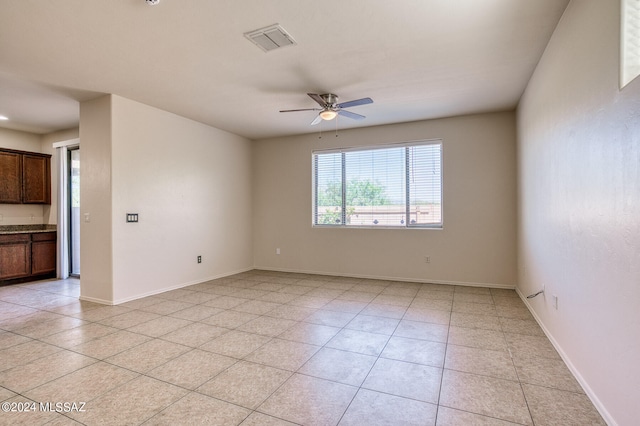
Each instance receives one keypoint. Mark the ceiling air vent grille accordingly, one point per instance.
(270, 38)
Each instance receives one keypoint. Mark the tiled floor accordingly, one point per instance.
(267, 348)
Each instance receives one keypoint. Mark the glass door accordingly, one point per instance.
(74, 211)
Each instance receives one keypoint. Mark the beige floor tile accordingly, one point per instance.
(473, 298)
(359, 341)
(374, 408)
(84, 384)
(32, 318)
(486, 322)
(488, 396)
(200, 410)
(414, 350)
(295, 289)
(25, 353)
(246, 384)
(250, 293)
(6, 394)
(422, 330)
(519, 312)
(259, 419)
(295, 313)
(523, 346)
(111, 344)
(229, 319)
(225, 302)
(256, 307)
(371, 324)
(267, 326)
(148, 355)
(192, 369)
(480, 361)
(477, 338)
(434, 316)
(174, 294)
(142, 302)
(500, 292)
(283, 354)
(167, 307)
(8, 339)
(398, 289)
(508, 300)
(386, 299)
(339, 366)
(314, 334)
(330, 318)
(548, 372)
(437, 304)
(132, 403)
(195, 334)
(556, 407)
(129, 319)
(309, 401)
(42, 370)
(474, 308)
(349, 306)
(387, 311)
(357, 296)
(279, 298)
(415, 381)
(450, 417)
(196, 297)
(101, 313)
(312, 302)
(75, 336)
(432, 294)
(520, 326)
(236, 344)
(47, 328)
(159, 326)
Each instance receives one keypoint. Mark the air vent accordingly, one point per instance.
(270, 38)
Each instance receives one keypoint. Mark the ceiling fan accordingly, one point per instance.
(331, 108)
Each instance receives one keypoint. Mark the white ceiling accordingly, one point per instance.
(417, 59)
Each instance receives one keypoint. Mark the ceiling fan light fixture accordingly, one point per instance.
(328, 114)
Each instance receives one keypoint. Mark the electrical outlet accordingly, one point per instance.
(554, 299)
(277, 251)
(199, 259)
(427, 259)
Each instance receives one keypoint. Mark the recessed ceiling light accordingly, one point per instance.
(3, 117)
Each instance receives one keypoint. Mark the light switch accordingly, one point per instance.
(87, 217)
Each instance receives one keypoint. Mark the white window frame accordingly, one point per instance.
(407, 224)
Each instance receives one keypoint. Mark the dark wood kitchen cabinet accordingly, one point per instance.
(25, 177)
(27, 256)
(15, 256)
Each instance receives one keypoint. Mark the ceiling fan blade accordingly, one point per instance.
(295, 110)
(317, 120)
(317, 98)
(350, 114)
(356, 102)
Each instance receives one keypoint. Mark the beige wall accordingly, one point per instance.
(579, 203)
(189, 183)
(476, 246)
(95, 195)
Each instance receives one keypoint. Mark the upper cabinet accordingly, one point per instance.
(25, 177)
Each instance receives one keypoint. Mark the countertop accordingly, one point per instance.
(26, 229)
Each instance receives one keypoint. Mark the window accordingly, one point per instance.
(389, 186)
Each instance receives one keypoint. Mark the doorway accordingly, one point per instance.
(73, 170)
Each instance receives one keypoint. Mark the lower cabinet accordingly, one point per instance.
(25, 256)
(15, 256)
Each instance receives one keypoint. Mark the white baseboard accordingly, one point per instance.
(163, 290)
(585, 386)
(378, 277)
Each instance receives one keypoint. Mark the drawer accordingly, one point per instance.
(15, 238)
(43, 236)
